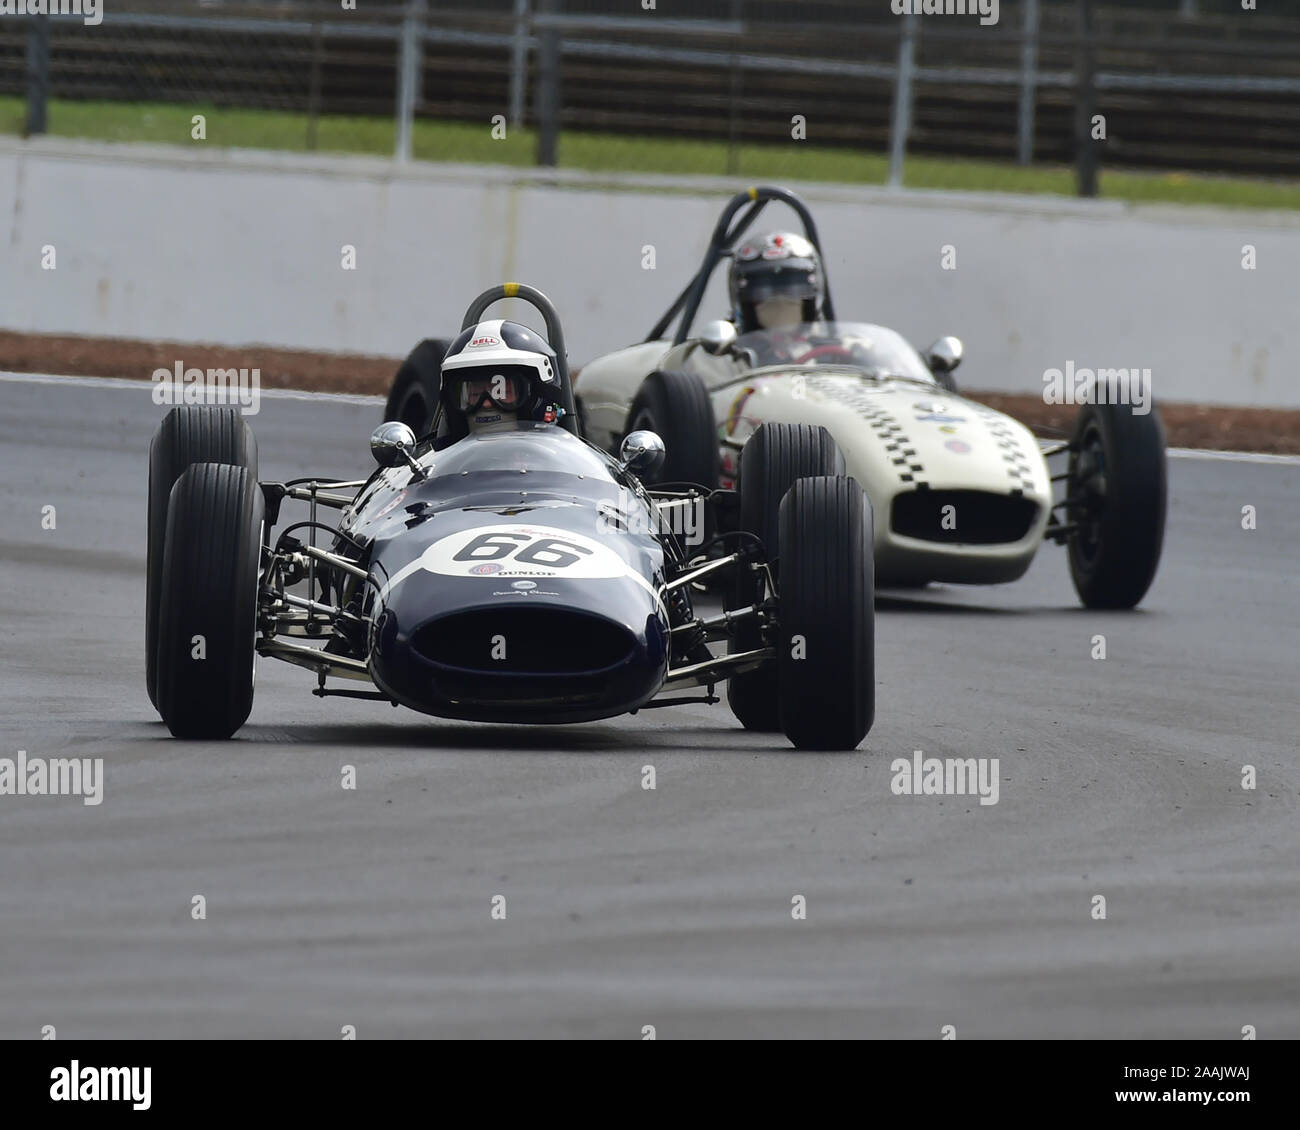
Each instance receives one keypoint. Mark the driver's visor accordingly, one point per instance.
(507, 387)
(788, 281)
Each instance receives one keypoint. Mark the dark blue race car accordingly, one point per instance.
(500, 568)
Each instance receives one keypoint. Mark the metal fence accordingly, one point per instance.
(1181, 84)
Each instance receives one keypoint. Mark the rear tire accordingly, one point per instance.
(772, 461)
(208, 607)
(1119, 468)
(413, 397)
(678, 408)
(188, 434)
(826, 659)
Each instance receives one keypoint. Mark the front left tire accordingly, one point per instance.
(826, 646)
(1117, 479)
(775, 457)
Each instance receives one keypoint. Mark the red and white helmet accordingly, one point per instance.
(776, 281)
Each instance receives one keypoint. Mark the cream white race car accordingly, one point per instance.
(960, 493)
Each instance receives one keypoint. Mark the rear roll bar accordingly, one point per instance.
(554, 335)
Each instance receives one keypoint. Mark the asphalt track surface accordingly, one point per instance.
(626, 907)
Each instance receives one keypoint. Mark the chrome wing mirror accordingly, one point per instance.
(642, 453)
(392, 443)
(717, 338)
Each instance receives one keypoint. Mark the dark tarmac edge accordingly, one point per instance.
(1213, 427)
(1162, 778)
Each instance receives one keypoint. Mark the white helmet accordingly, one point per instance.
(498, 372)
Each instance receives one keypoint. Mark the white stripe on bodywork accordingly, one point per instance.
(418, 564)
(398, 577)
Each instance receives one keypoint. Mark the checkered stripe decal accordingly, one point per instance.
(1019, 468)
(897, 446)
(886, 427)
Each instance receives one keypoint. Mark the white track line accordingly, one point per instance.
(356, 398)
(1233, 456)
(140, 385)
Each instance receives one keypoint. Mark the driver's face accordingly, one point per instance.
(505, 392)
(779, 313)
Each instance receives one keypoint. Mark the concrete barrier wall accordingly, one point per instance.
(240, 247)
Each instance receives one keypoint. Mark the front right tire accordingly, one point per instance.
(413, 396)
(188, 434)
(208, 602)
(676, 406)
